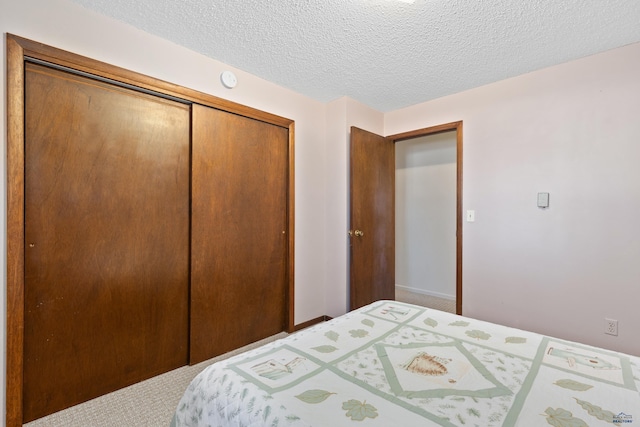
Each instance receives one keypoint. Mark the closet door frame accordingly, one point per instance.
(20, 50)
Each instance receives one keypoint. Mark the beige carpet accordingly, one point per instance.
(150, 403)
(441, 304)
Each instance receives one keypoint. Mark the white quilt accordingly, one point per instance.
(394, 364)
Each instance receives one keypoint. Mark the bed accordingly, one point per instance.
(394, 364)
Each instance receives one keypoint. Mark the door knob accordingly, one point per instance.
(358, 233)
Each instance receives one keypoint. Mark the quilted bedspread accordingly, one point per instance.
(394, 364)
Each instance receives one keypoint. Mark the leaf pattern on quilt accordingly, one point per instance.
(324, 348)
(596, 411)
(480, 335)
(314, 396)
(495, 417)
(573, 385)
(459, 323)
(430, 322)
(358, 411)
(563, 418)
(358, 333)
(332, 335)
(251, 404)
(368, 322)
(515, 340)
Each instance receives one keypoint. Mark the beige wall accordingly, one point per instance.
(574, 131)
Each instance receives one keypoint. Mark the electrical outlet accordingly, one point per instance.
(611, 327)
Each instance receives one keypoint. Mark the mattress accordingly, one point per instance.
(396, 364)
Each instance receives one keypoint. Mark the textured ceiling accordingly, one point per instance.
(386, 54)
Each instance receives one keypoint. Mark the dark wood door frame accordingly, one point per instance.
(20, 50)
(453, 126)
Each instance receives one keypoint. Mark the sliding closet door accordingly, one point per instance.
(107, 238)
(239, 223)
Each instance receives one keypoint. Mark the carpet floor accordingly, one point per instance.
(151, 403)
(429, 301)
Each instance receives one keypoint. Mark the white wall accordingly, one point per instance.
(65, 25)
(572, 130)
(426, 175)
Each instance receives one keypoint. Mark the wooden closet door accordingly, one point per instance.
(239, 223)
(107, 238)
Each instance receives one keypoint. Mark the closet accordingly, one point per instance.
(107, 238)
(239, 243)
(156, 231)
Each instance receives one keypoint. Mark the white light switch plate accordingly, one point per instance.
(471, 216)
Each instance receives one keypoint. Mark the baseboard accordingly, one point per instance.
(425, 292)
(311, 322)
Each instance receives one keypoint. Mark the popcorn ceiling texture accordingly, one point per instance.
(385, 54)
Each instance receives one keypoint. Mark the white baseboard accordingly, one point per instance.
(425, 292)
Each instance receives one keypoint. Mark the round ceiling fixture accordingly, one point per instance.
(228, 79)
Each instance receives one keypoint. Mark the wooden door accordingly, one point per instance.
(239, 231)
(372, 229)
(106, 238)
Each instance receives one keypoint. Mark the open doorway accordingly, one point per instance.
(426, 203)
(372, 213)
